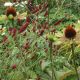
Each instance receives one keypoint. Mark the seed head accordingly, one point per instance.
(11, 11)
(70, 32)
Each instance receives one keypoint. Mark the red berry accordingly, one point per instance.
(46, 13)
(14, 66)
(23, 27)
(28, 19)
(4, 39)
(12, 31)
(58, 22)
(19, 21)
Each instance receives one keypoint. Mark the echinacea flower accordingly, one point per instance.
(11, 11)
(70, 32)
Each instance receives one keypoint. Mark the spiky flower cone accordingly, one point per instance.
(11, 11)
(70, 32)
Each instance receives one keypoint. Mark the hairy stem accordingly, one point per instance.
(51, 58)
(74, 62)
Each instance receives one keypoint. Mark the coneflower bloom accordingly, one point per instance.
(70, 32)
(11, 11)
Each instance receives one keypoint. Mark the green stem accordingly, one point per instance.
(50, 45)
(51, 58)
(74, 62)
(12, 23)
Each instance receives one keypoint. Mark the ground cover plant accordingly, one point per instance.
(39, 40)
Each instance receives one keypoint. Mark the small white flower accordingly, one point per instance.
(24, 2)
(78, 21)
(21, 5)
(8, 4)
(0, 26)
(3, 33)
(17, 5)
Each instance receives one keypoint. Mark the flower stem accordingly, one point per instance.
(12, 23)
(74, 62)
(51, 59)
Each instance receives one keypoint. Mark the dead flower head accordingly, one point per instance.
(70, 32)
(11, 11)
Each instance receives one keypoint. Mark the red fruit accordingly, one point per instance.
(28, 19)
(12, 31)
(58, 22)
(46, 13)
(14, 66)
(19, 21)
(4, 39)
(23, 27)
